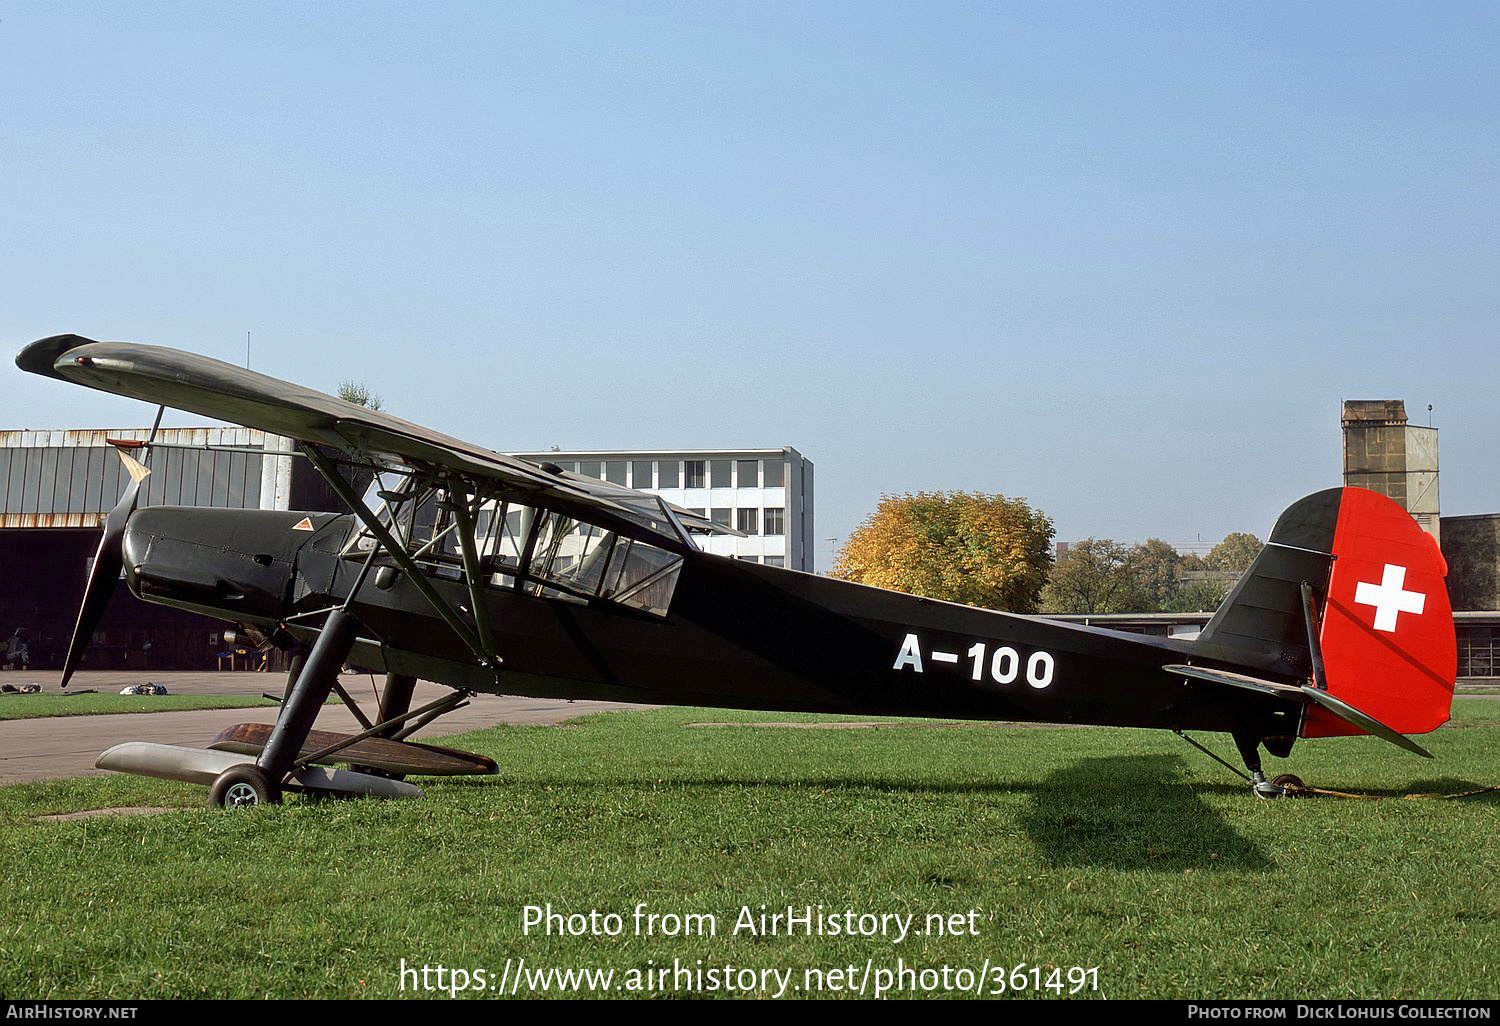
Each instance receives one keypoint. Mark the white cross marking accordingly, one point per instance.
(1389, 598)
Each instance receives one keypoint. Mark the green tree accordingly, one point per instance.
(1100, 575)
(1096, 575)
(1200, 595)
(1233, 554)
(983, 550)
(354, 392)
(1157, 567)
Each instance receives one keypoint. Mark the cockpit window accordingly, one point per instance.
(570, 560)
(420, 521)
(587, 561)
(384, 496)
(642, 576)
(576, 556)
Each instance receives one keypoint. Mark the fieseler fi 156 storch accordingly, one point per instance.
(487, 573)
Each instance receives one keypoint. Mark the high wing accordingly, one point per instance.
(200, 384)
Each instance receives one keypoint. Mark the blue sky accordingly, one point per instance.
(1122, 259)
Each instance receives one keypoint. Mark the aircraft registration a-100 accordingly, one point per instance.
(490, 574)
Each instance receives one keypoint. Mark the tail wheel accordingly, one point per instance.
(243, 786)
(1290, 783)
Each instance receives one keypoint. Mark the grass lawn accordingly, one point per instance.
(26, 707)
(1121, 850)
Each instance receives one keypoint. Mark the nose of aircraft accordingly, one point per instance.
(235, 564)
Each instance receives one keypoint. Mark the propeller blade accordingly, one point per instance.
(133, 467)
(108, 560)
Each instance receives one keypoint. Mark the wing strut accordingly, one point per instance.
(413, 572)
(472, 574)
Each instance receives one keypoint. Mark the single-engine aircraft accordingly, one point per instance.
(487, 573)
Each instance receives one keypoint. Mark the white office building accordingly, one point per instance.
(766, 494)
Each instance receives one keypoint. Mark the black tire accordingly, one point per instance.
(1290, 781)
(243, 786)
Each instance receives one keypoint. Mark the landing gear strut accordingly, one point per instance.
(314, 685)
(261, 783)
(395, 698)
(1249, 747)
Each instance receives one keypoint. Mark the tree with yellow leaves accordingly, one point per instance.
(983, 550)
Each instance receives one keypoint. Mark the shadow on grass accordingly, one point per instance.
(1133, 812)
(1148, 774)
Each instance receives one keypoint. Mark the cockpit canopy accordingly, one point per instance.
(518, 547)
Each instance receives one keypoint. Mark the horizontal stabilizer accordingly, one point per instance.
(1311, 696)
(1236, 680)
(1364, 721)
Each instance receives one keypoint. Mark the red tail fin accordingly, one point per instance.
(1387, 631)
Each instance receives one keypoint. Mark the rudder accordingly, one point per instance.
(1387, 634)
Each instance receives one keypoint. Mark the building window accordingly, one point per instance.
(721, 516)
(640, 474)
(699, 512)
(1478, 653)
(667, 471)
(776, 561)
(775, 521)
(720, 469)
(614, 472)
(775, 473)
(747, 473)
(749, 559)
(695, 473)
(590, 468)
(748, 521)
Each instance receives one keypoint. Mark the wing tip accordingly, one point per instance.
(42, 355)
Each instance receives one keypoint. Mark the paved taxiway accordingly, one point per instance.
(66, 746)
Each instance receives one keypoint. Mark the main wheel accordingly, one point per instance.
(242, 786)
